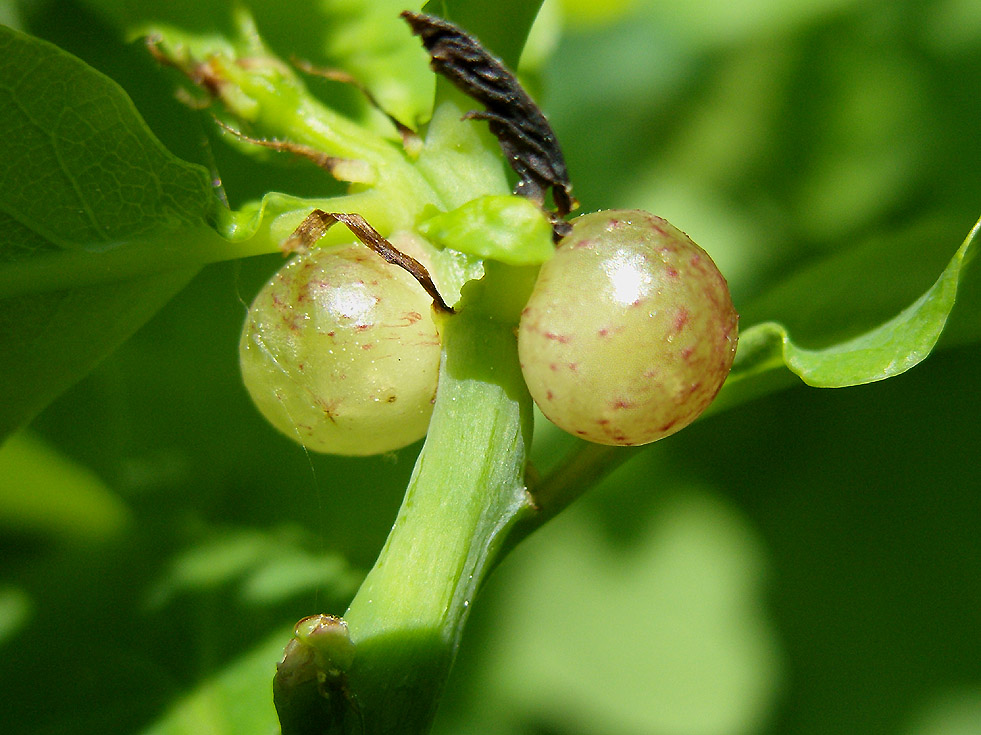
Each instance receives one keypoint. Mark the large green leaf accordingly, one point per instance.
(83, 184)
(50, 340)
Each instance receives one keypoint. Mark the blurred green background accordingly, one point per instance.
(808, 563)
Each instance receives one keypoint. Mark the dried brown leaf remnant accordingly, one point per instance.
(523, 131)
(317, 223)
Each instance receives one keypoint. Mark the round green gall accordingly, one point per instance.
(629, 332)
(340, 352)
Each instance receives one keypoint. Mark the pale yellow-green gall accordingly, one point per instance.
(340, 352)
(629, 332)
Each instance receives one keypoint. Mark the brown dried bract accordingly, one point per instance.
(525, 136)
(317, 223)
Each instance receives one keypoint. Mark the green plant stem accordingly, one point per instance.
(466, 493)
(584, 466)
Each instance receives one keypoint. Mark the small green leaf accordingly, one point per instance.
(45, 492)
(501, 227)
(16, 607)
(231, 701)
(259, 90)
(370, 41)
(266, 567)
(883, 352)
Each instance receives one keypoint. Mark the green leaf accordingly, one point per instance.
(681, 603)
(83, 184)
(267, 566)
(50, 340)
(45, 492)
(228, 703)
(79, 168)
(888, 350)
(15, 611)
(372, 42)
(501, 227)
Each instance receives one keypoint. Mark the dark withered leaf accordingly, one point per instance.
(525, 136)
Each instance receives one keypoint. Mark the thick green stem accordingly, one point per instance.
(466, 493)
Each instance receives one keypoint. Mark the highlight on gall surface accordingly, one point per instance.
(340, 352)
(629, 332)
